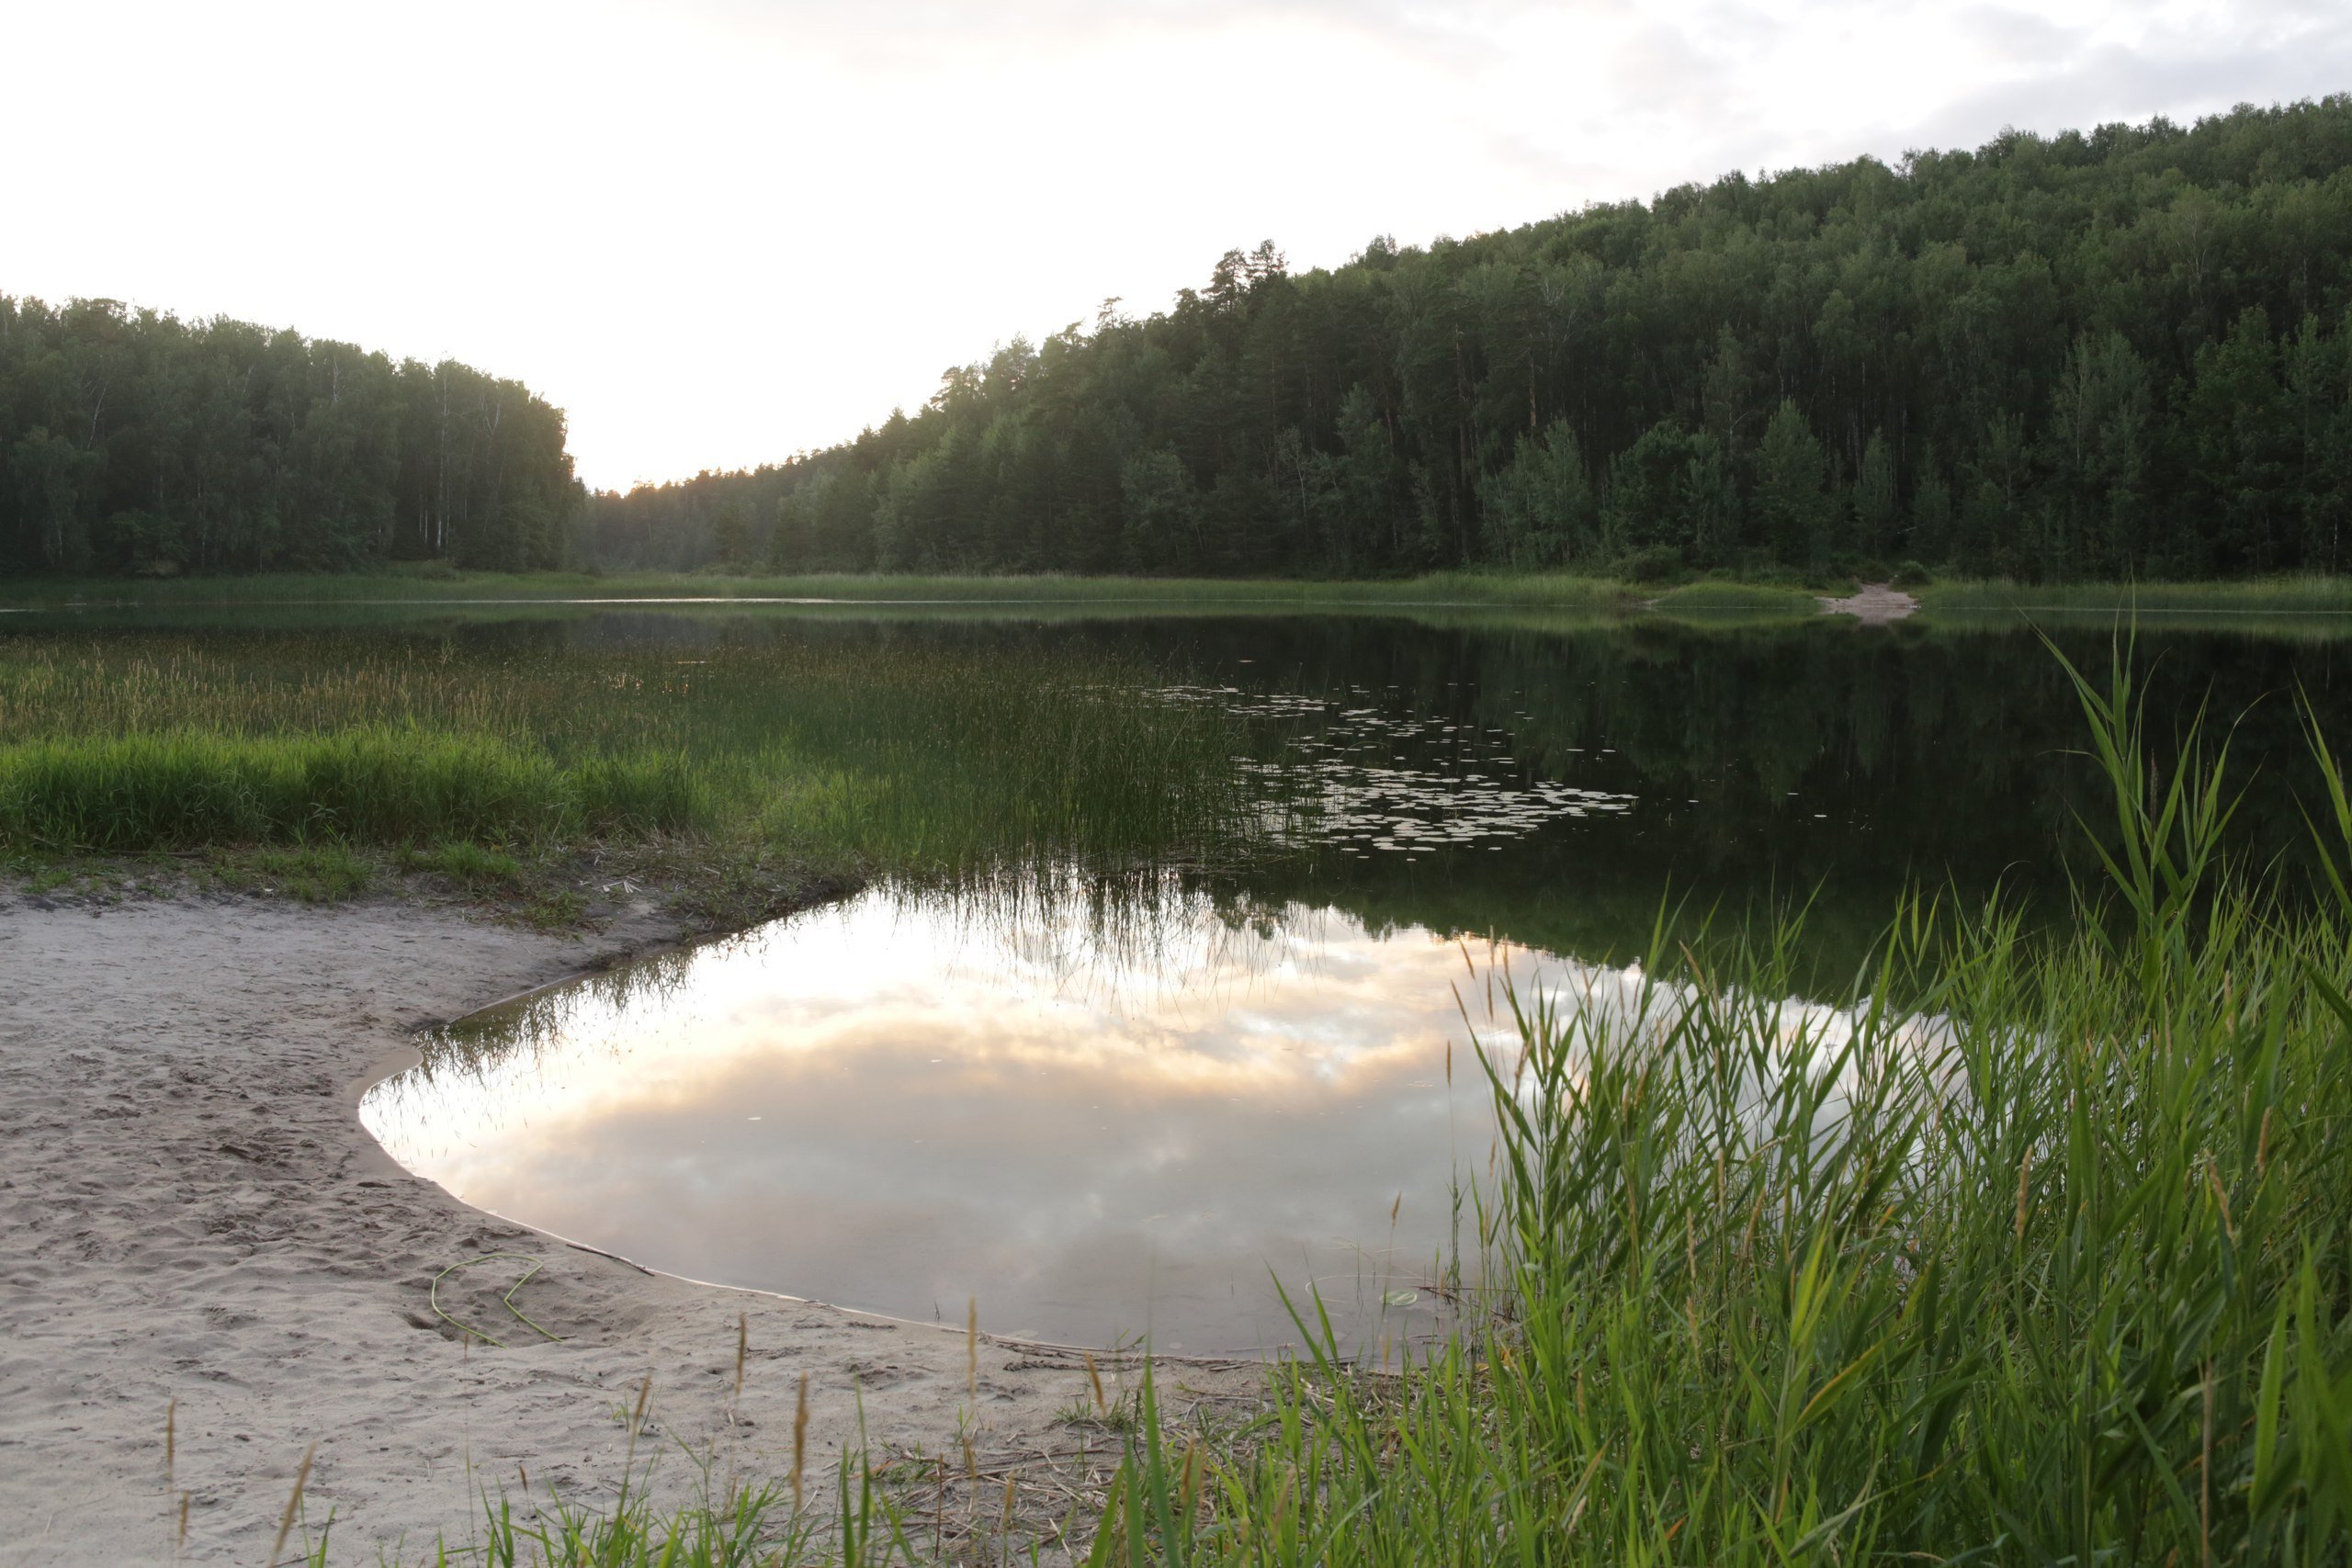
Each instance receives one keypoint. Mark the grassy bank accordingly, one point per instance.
(183, 789)
(1556, 589)
(1553, 590)
(851, 753)
(420, 585)
(2158, 601)
(1719, 595)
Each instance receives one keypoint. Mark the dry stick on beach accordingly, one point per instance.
(171, 1434)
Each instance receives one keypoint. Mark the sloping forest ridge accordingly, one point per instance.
(2126, 352)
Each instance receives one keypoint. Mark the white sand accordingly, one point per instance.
(192, 1210)
(1873, 602)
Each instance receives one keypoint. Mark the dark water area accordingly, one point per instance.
(1114, 1112)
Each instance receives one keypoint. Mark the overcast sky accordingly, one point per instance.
(720, 232)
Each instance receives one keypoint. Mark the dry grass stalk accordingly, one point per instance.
(293, 1501)
(799, 1440)
(2025, 1189)
(743, 1347)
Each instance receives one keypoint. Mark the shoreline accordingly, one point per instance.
(1874, 603)
(201, 1217)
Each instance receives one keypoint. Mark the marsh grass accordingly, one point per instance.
(184, 789)
(2302, 595)
(848, 751)
(417, 585)
(1715, 593)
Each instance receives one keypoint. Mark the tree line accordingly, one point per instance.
(2126, 352)
(2120, 352)
(135, 442)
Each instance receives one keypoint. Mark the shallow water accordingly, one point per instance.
(1112, 1111)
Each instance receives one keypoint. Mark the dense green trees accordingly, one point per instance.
(2125, 352)
(138, 443)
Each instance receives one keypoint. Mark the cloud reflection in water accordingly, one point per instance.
(1099, 1131)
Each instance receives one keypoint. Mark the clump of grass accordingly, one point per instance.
(49, 878)
(1717, 594)
(183, 789)
(556, 909)
(469, 865)
(315, 874)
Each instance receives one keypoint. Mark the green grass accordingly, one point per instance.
(184, 789)
(1717, 594)
(1561, 590)
(849, 751)
(316, 874)
(2161, 602)
(466, 864)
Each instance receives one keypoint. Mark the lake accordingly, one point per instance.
(1109, 1105)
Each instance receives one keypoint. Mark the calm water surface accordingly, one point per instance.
(1097, 1134)
(1111, 1113)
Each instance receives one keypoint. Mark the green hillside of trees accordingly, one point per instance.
(2125, 352)
(2086, 355)
(136, 442)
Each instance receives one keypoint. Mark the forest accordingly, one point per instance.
(2124, 352)
(2120, 353)
(132, 442)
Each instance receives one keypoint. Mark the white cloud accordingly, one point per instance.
(722, 231)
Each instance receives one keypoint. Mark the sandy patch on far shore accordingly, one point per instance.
(1872, 602)
(192, 1210)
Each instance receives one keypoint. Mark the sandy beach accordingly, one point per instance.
(1872, 602)
(194, 1214)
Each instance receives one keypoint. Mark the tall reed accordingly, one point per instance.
(2047, 1263)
